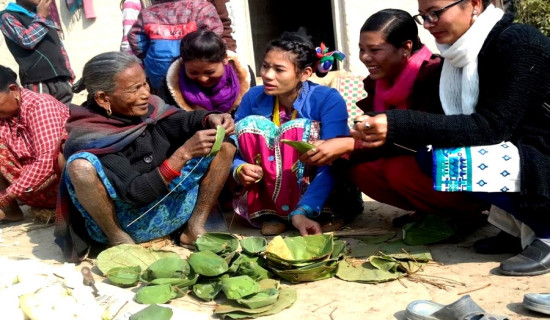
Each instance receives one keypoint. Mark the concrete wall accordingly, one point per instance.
(84, 38)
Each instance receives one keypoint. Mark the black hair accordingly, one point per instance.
(396, 25)
(302, 49)
(7, 77)
(202, 45)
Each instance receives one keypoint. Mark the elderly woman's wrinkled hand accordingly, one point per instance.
(199, 144)
(372, 131)
(224, 120)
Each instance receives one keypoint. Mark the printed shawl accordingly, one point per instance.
(98, 134)
(95, 133)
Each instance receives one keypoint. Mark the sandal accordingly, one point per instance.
(539, 302)
(462, 309)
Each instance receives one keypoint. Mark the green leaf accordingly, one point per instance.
(261, 299)
(217, 242)
(253, 270)
(376, 239)
(207, 263)
(124, 276)
(314, 272)
(207, 291)
(187, 281)
(130, 255)
(220, 135)
(172, 267)
(428, 230)
(253, 245)
(385, 263)
(300, 249)
(155, 294)
(364, 272)
(300, 146)
(397, 250)
(231, 309)
(238, 287)
(153, 312)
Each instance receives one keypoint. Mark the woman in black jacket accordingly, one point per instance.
(495, 87)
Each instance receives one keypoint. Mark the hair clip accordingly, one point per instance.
(326, 59)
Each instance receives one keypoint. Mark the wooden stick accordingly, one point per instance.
(464, 292)
(362, 232)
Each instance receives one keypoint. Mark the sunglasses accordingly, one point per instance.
(433, 16)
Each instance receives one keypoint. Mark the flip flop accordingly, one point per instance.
(539, 302)
(462, 309)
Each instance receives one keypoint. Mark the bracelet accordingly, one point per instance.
(237, 171)
(168, 172)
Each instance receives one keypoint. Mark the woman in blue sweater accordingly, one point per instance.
(287, 106)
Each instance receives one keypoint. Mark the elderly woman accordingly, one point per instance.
(31, 127)
(137, 168)
(495, 92)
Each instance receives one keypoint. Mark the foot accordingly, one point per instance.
(120, 237)
(12, 217)
(532, 261)
(273, 227)
(501, 243)
(191, 233)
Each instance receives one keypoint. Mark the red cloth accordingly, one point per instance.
(33, 137)
(398, 181)
(43, 196)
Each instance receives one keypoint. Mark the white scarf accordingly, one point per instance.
(459, 85)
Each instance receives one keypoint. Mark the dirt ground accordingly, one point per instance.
(334, 299)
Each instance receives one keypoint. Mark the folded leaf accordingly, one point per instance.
(261, 299)
(124, 276)
(172, 267)
(238, 287)
(155, 294)
(300, 146)
(207, 263)
(153, 312)
(253, 245)
(217, 242)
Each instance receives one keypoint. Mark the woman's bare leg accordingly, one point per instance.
(93, 196)
(209, 190)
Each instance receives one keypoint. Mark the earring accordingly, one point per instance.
(474, 15)
(109, 111)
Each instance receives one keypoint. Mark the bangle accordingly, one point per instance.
(237, 171)
(168, 172)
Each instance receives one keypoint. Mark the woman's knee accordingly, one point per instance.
(81, 169)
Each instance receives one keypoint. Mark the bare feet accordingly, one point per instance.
(191, 232)
(120, 237)
(13, 216)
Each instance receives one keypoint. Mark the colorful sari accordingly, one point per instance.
(285, 178)
(167, 213)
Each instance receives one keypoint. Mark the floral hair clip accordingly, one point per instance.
(326, 59)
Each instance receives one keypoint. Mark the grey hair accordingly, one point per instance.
(100, 71)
